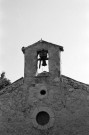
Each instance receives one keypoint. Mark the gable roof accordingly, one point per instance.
(12, 87)
(74, 83)
(42, 41)
(66, 80)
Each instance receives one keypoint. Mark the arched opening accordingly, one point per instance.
(42, 61)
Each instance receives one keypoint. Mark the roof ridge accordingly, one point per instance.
(42, 41)
(12, 86)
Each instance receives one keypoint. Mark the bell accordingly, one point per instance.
(44, 63)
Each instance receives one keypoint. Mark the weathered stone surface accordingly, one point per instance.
(65, 101)
(71, 116)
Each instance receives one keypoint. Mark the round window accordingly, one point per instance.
(42, 118)
(42, 92)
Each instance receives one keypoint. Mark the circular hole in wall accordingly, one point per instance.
(42, 118)
(42, 92)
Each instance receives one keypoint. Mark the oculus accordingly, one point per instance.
(42, 118)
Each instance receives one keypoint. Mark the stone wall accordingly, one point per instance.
(31, 59)
(66, 101)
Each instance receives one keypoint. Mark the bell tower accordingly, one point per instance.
(42, 82)
(41, 59)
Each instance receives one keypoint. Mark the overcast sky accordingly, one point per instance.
(62, 22)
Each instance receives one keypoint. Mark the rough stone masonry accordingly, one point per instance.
(44, 102)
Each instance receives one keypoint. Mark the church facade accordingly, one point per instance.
(44, 102)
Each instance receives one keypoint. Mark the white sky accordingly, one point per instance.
(63, 22)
